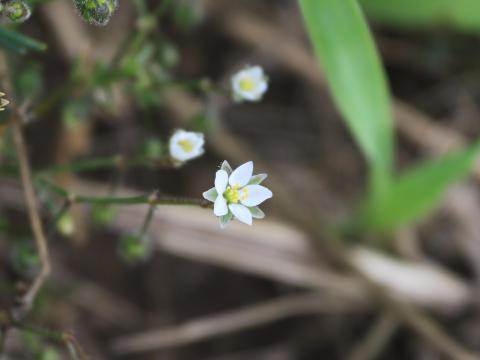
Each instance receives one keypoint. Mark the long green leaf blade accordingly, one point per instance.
(415, 193)
(457, 14)
(347, 54)
(15, 42)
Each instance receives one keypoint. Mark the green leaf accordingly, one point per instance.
(458, 14)
(344, 47)
(257, 179)
(14, 42)
(256, 212)
(415, 193)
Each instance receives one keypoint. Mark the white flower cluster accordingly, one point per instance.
(237, 194)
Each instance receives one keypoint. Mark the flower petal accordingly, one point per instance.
(220, 207)
(221, 181)
(241, 213)
(210, 195)
(256, 194)
(257, 179)
(256, 212)
(241, 175)
(256, 72)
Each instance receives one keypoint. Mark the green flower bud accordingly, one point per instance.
(103, 214)
(169, 55)
(132, 249)
(49, 354)
(153, 149)
(96, 12)
(15, 11)
(65, 225)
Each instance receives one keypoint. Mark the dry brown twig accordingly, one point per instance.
(220, 324)
(29, 194)
(376, 338)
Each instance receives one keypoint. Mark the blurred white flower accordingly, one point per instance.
(249, 84)
(186, 145)
(237, 194)
(3, 102)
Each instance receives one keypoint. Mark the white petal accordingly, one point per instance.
(221, 181)
(220, 207)
(241, 213)
(261, 88)
(210, 195)
(256, 194)
(241, 175)
(256, 72)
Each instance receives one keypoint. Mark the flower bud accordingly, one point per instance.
(66, 225)
(103, 214)
(96, 12)
(152, 149)
(15, 11)
(133, 250)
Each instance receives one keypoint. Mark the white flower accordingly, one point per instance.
(249, 84)
(186, 145)
(237, 194)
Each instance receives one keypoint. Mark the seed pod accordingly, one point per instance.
(96, 12)
(15, 11)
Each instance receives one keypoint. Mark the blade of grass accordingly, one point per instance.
(457, 14)
(346, 51)
(415, 193)
(15, 42)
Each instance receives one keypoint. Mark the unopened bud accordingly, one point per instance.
(15, 11)
(96, 12)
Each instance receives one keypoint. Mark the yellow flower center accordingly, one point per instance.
(186, 145)
(234, 195)
(247, 84)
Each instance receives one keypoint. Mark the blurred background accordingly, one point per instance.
(273, 291)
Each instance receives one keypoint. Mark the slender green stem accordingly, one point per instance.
(58, 336)
(146, 223)
(162, 8)
(111, 162)
(128, 200)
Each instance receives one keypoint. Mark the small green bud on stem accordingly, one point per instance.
(15, 11)
(97, 12)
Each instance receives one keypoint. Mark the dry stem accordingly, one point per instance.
(29, 194)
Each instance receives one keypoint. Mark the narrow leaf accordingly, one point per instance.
(346, 51)
(415, 193)
(15, 42)
(458, 14)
